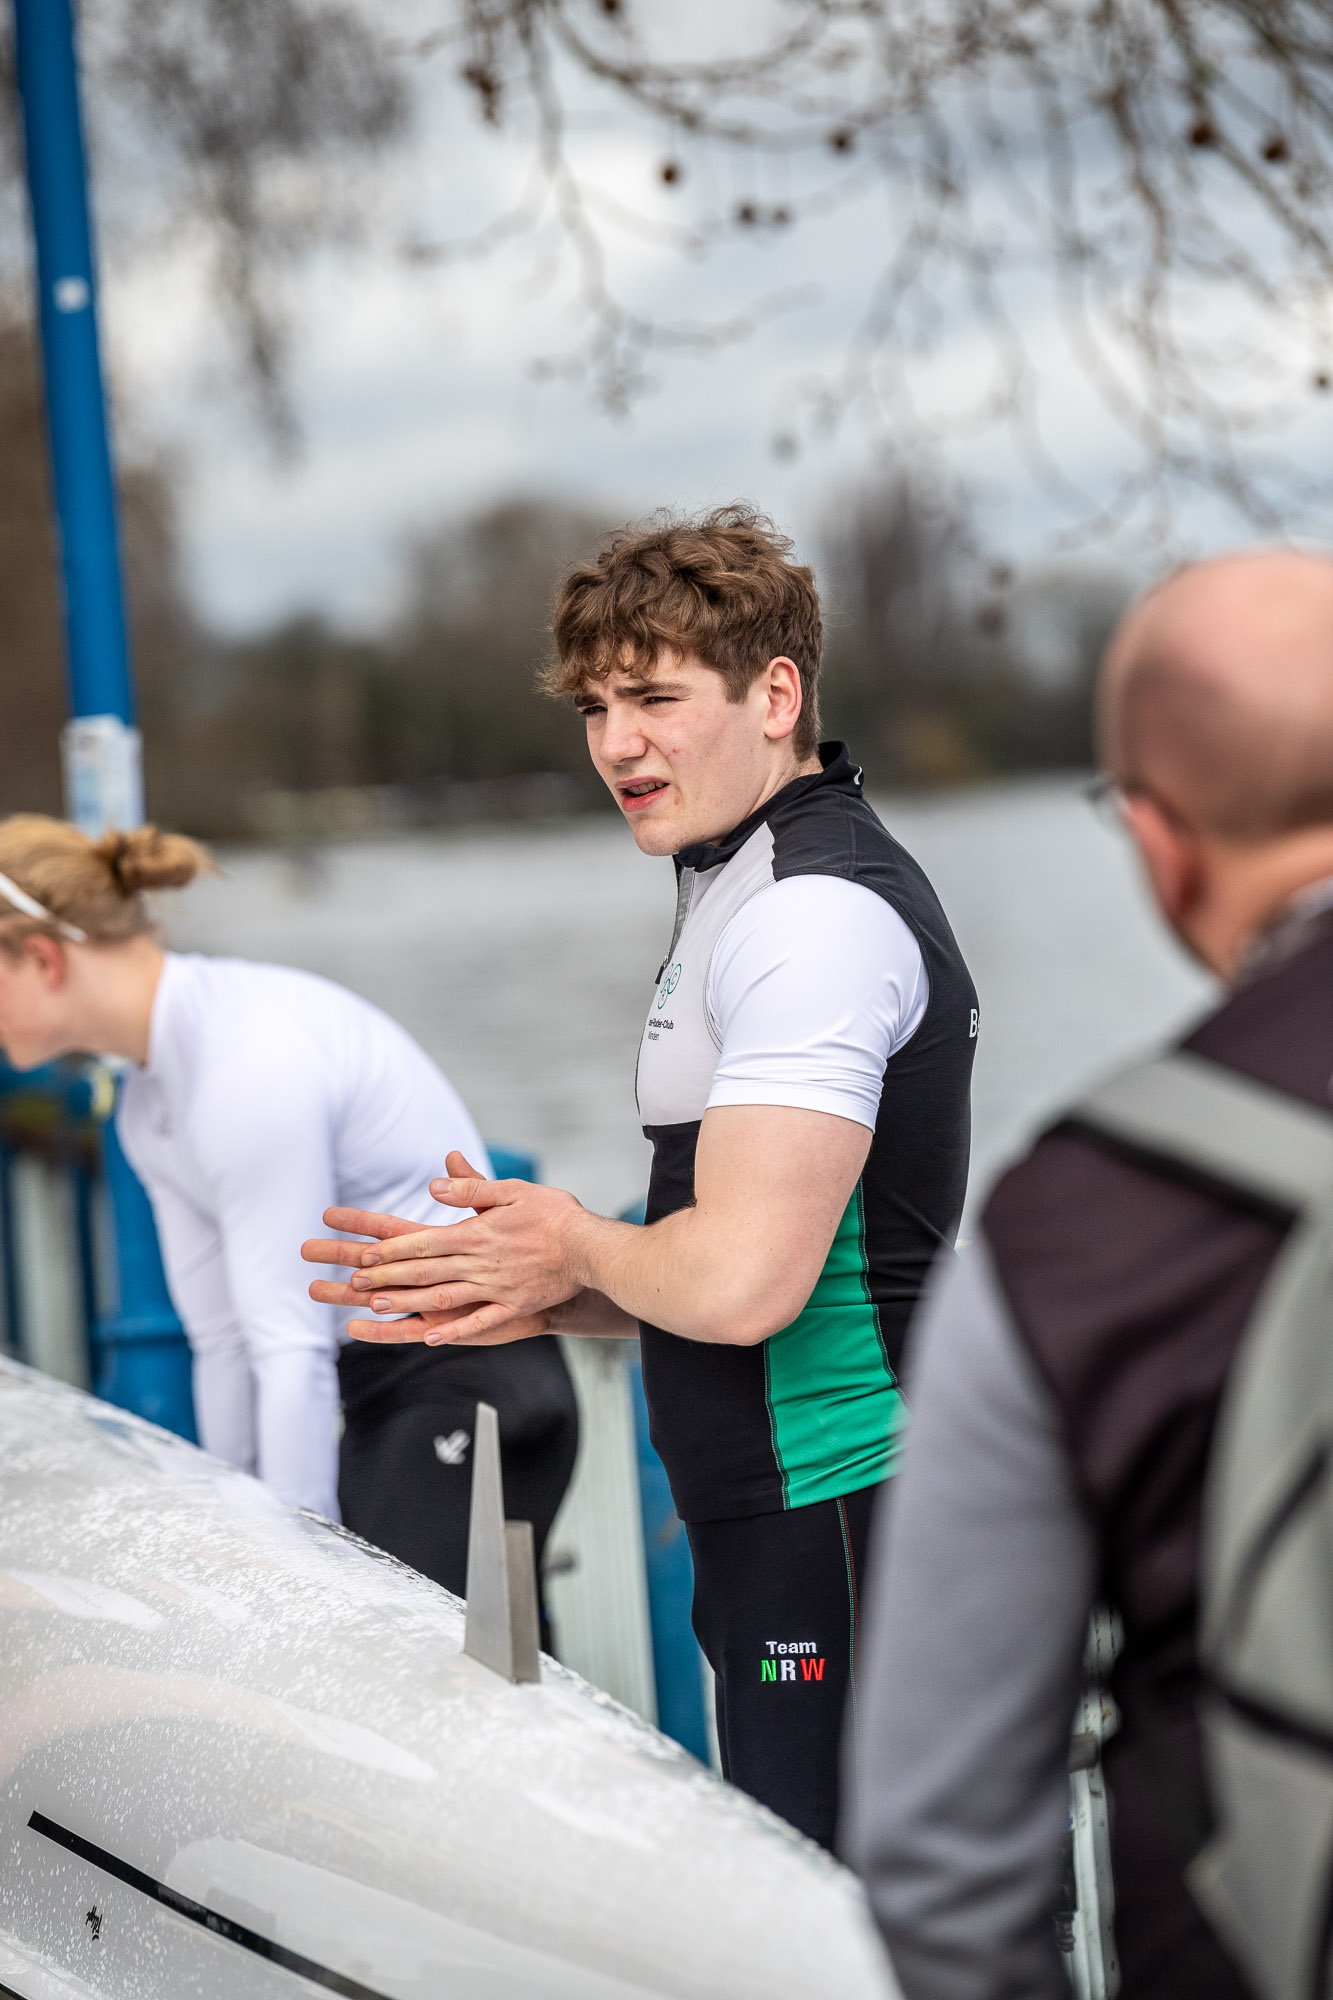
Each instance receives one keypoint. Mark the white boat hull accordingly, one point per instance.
(243, 1755)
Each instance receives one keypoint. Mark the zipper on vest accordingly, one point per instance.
(684, 892)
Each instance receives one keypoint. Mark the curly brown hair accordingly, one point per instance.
(723, 589)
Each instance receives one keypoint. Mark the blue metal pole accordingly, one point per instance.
(677, 1661)
(143, 1360)
(678, 1664)
(9, 1279)
(99, 666)
(142, 1355)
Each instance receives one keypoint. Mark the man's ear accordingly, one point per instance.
(1172, 859)
(47, 958)
(782, 681)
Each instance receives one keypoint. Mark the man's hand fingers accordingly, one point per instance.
(457, 1239)
(461, 1186)
(466, 1191)
(424, 1298)
(388, 1332)
(332, 1250)
(420, 1272)
(367, 1222)
(332, 1292)
(358, 1222)
(488, 1326)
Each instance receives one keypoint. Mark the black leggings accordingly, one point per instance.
(775, 1610)
(405, 1474)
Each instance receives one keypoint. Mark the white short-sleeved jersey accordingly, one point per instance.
(808, 986)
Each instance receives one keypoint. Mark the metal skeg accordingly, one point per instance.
(502, 1618)
(142, 1360)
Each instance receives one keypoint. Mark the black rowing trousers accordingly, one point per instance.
(775, 1610)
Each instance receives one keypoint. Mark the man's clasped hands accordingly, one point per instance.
(492, 1278)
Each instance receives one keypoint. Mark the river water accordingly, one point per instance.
(523, 959)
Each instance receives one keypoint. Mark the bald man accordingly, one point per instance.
(1069, 1367)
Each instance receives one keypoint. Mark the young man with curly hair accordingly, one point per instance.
(803, 1078)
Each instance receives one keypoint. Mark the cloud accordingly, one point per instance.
(415, 389)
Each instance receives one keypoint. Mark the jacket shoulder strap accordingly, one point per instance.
(1185, 1109)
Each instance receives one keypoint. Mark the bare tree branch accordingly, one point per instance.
(207, 116)
(1165, 166)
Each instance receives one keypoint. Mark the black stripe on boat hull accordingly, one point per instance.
(199, 1913)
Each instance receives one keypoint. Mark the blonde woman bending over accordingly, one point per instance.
(259, 1096)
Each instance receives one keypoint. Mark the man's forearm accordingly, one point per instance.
(592, 1316)
(735, 1266)
(685, 1273)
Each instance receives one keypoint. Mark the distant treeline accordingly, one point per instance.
(941, 668)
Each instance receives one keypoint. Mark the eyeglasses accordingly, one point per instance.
(1110, 797)
(1107, 796)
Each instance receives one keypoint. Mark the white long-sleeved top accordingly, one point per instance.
(268, 1096)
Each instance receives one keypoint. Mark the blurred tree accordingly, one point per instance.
(240, 124)
(32, 685)
(443, 698)
(1148, 181)
(941, 667)
(165, 635)
(475, 624)
(296, 709)
(899, 568)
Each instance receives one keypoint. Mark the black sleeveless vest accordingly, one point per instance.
(815, 1411)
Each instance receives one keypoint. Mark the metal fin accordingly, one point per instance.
(524, 1629)
(502, 1624)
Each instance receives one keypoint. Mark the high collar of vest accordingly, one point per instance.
(1305, 921)
(839, 774)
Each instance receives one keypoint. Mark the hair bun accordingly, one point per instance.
(147, 859)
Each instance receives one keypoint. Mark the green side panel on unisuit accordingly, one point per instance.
(836, 1412)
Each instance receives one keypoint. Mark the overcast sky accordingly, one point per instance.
(417, 400)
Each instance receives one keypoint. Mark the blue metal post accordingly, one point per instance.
(99, 666)
(142, 1356)
(143, 1360)
(9, 1279)
(678, 1664)
(677, 1661)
